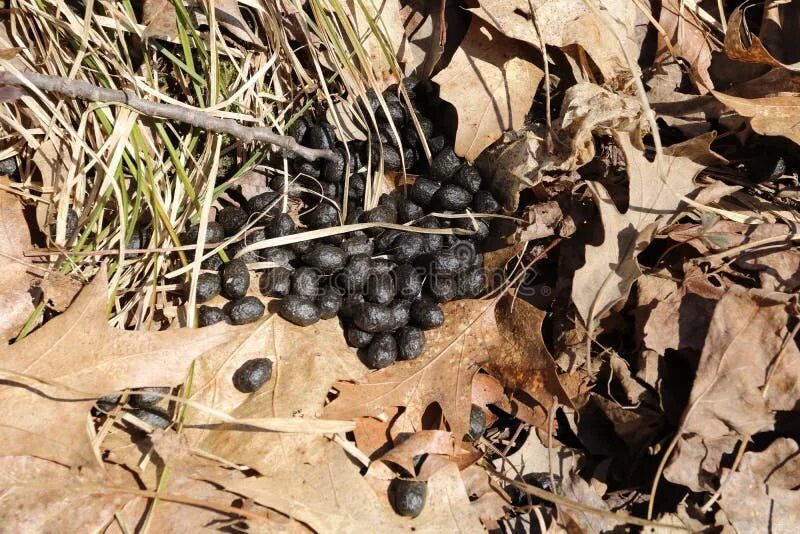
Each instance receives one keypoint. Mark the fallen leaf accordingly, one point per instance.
(475, 333)
(229, 16)
(60, 290)
(16, 303)
(52, 377)
(488, 390)
(491, 82)
(611, 267)
(776, 115)
(372, 435)
(160, 20)
(736, 46)
(485, 501)
(741, 380)
(578, 490)
(762, 495)
(689, 39)
(408, 447)
(568, 22)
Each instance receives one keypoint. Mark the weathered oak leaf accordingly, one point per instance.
(491, 81)
(16, 304)
(775, 115)
(52, 377)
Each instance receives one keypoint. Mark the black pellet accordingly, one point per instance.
(426, 314)
(443, 288)
(401, 312)
(245, 310)
(408, 246)
(324, 215)
(358, 338)
(326, 258)
(214, 233)
(477, 423)
(208, 315)
(445, 164)
(152, 416)
(146, 397)
(329, 303)
(380, 288)
(299, 310)
(408, 210)
(408, 496)
(305, 282)
(382, 351)
(471, 283)
(265, 202)
(423, 190)
(408, 281)
(410, 342)
(469, 178)
(372, 317)
(252, 375)
(318, 137)
(354, 276)
(283, 256)
(452, 197)
(232, 219)
(276, 282)
(358, 245)
(484, 202)
(209, 285)
(280, 226)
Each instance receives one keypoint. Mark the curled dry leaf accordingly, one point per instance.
(491, 81)
(52, 377)
(423, 442)
(578, 490)
(689, 40)
(611, 267)
(748, 371)
(475, 334)
(741, 45)
(16, 304)
(776, 115)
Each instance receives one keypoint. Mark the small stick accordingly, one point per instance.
(86, 91)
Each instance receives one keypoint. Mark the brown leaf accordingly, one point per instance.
(491, 82)
(60, 290)
(473, 334)
(578, 490)
(611, 267)
(756, 52)
(777, 115)
(372, 435)
(741, 380)
(567, 22)
(229, 16)
(762, 495)
(487, 390)
(16, 304)
(422, 442)
(53, 376)
(161, 20)
(689, 39)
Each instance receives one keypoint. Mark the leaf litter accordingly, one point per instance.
(659, 267)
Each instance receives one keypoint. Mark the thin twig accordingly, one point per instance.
(93, 93)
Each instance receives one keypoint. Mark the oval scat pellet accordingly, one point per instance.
(305, 282)
(410, 342)
(214, 233)
(380, 214)
(465, 251)
(355, 274)
(245, 310)
(298, 130)
(276, 282)
(380, 288)
(232, 218)
(477, 423)
(334, 170)
(381, 266)
(411, 134)
(146, 397)
(357, 186)
(452, 197)
(350, 303)
(408, 246)
(478, 226)
(433, 242)
(408, 210)
(436, 144)
(445, 263)
(326, 258)
(401, 312)
(471, 283)
(282, 256)
(209, 285)
(426, 314)
(384, 241)
(252, 375)
(408, 281)
(153, 417)
(280, 226)
(372, 317)
(8, 166)
(408, 496)
(484, 202)
(329, 303)
(469, 178)
(310, 169)
(324, 215)
(391, 157)
(317, 137)
(265, 202)
(208, 315)
(445, 164)
(212, 263)
(299, 310)
(358, 245)
(358, 338)
(423, 191)
(235, 279)
(302, 247)
(443, 289)
(382, 351)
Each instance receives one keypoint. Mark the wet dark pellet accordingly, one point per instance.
(252, 375)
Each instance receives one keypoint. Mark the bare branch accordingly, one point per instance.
(86, 91)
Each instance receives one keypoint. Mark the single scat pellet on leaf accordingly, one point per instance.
(410, 342)
(358, 338)
(232, 218)
(477, 423)
(245, 310)
(382, 351)
(252, 375)
(299, 310)
(208, 315)
(372, 317)
(326, 258)
(329, 303)
(426, 314)
(147, 397)
(209, 285)
(152, 416)
(276, 282)
(452, 197)
(280, 226)
(305, 282)
(408, 496)
(235, 279)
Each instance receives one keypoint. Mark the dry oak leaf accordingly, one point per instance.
(334, 497)
(408, 447)
(610, 269)
(689, 40)
(306, 363)
(491, 81)
(749, 370)
(475, 333)
(776, 115)
(52, 377)
(160, 20)
(16, 304)
(762, 495)
(563, 23)
(736, 46)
